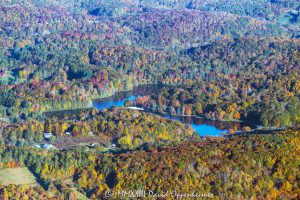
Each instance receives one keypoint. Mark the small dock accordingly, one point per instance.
(135, 108)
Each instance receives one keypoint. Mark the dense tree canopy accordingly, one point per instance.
(223, 60)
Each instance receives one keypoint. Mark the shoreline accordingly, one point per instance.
(202, 117)
(262, 131)
(94, 100)
(129, 90)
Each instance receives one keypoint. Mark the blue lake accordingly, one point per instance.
(110, 102)
(202, 126)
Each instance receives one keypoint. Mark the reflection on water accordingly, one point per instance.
(120, 98)
(202, 126)
(206, 127)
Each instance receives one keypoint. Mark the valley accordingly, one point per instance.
(103, 96)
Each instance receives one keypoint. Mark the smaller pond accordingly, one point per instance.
(202, 126)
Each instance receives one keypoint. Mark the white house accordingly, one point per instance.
(47, 146)
(67, 133)
(47, 135)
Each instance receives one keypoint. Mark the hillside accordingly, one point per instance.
(98, 96)
(250, 166)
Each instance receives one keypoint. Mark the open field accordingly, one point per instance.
(17, 176)
(81, 196)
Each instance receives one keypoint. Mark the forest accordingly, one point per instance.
(214, 60)
(124, 128)
(249, 166)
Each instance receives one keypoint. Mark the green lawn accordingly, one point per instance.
(80, 196)
(17, 176)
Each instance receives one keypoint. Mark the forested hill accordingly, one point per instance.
(219, 60)
(255, 166)
(50, 49)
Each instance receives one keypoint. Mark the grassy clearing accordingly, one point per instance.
(80, 196)
(17, 176)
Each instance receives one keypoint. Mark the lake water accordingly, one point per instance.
(202, 126)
